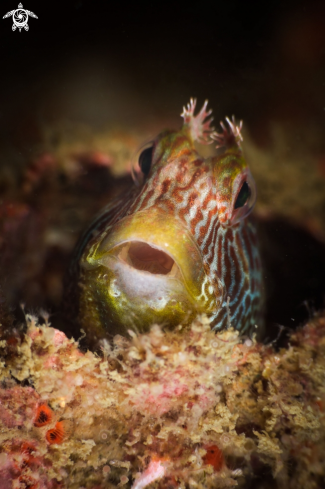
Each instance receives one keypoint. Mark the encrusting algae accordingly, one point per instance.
(165, 407)
(185, 409)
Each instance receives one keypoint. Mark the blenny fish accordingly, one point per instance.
(179, 243)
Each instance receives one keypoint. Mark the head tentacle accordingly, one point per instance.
(229, 137)
(199, 125)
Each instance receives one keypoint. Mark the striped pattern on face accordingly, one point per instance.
(204, 195)
(201, 193)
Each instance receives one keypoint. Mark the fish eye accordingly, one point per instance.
(145, 160)
(141, 163)
(243, 196)
(245, 199)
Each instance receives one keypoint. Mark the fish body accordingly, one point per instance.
(180, 243)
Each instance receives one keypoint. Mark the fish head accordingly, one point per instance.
(159, 255)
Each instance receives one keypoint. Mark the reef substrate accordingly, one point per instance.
(182, 409)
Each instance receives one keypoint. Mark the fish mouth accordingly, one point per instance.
(149, 259)
(154, 273)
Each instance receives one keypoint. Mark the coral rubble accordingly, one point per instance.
(185, 409)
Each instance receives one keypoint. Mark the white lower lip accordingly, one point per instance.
(154, 289)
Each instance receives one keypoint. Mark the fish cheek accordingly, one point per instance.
(91, 306)
(114, 300)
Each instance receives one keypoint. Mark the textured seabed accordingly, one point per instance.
(180, 409)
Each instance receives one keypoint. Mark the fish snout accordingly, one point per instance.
(146, 269)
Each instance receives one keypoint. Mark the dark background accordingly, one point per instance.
(260, 60)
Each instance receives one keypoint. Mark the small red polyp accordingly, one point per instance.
(43, 416)
(214, 457)
(56, 434)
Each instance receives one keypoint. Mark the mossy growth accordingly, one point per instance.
(182, 409)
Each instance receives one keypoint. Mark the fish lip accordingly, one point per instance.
(163, 232)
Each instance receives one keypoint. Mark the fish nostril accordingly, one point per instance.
(144, 257)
